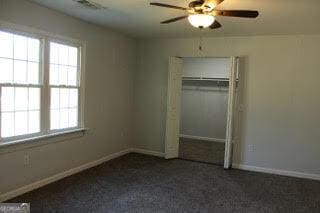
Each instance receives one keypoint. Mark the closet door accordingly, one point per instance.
(231, 111)
(173, 108)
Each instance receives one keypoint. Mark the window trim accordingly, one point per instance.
(44, 65)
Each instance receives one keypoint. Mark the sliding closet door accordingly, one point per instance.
(173, 108)
(231, 111)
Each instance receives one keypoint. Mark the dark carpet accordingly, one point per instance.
(139, 183)
(203, 151)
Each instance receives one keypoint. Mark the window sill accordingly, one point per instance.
(13, 146)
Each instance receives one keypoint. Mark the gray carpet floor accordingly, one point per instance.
(139, 183)
(203, 151)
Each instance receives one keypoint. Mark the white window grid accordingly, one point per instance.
(26, 85)
(66, 86)
(43, 85)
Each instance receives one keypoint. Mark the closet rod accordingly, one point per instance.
(205, 79)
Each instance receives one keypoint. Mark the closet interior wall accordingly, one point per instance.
(204, 98)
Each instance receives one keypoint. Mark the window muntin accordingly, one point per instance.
(25, 109)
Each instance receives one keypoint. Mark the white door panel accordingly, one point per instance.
(173, 108)
(231, 111)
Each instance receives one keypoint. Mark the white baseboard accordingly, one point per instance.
(147, 152)
(56, 177)
(203, 138)
(277, 171)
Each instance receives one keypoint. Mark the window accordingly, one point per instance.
(39, 85)
(64, 86)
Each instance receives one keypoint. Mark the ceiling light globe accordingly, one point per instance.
(201, 20)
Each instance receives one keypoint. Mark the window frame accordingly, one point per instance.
(44, 71)
(78, 84)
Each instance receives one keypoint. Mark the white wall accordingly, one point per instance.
(108, 97)
(280, 91)
(204, 109)
(206, 67)
(204, 103)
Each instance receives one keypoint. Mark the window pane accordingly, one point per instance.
(7, 99)
(63, 75)
(55, 96)
(63, 54)
(73, 56)
(64, 98)
(33, 49)
(6, 70)
(21, 123)
(54, 119)
(34, 122)
(73, 98)
(54, 74)
(63, 65)
(6, 44)
(20, 72)
(72, 76)
(21, 98)
(33, 73)
(7, 124)
(64, 118)
(73, 117)
(20, 47)
(64, 108)
(34, 98)
(54, 53)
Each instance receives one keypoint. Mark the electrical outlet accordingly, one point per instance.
(241, 108)
(123, 132)
(251, 148)
(26, 160)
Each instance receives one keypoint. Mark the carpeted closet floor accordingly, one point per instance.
(202, 151)
(139, 183)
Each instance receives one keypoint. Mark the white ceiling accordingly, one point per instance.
(137, 19)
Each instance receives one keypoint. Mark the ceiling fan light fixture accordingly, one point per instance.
(201, 20)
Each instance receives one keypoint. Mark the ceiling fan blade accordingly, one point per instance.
(215, 25)
(236, 13)
(174, 19)
(167, 6)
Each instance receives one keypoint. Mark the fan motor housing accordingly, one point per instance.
(195, 4)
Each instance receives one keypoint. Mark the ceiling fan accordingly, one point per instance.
(202, 13)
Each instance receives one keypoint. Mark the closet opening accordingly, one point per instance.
(202, 96)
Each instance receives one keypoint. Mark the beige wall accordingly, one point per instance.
(108, 97)
(280, 92)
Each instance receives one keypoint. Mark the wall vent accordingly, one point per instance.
(90, 4)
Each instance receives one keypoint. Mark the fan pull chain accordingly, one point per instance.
(200, 40)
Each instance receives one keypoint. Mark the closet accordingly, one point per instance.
(204, 109)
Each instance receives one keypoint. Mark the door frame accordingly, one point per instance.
(234, 75)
